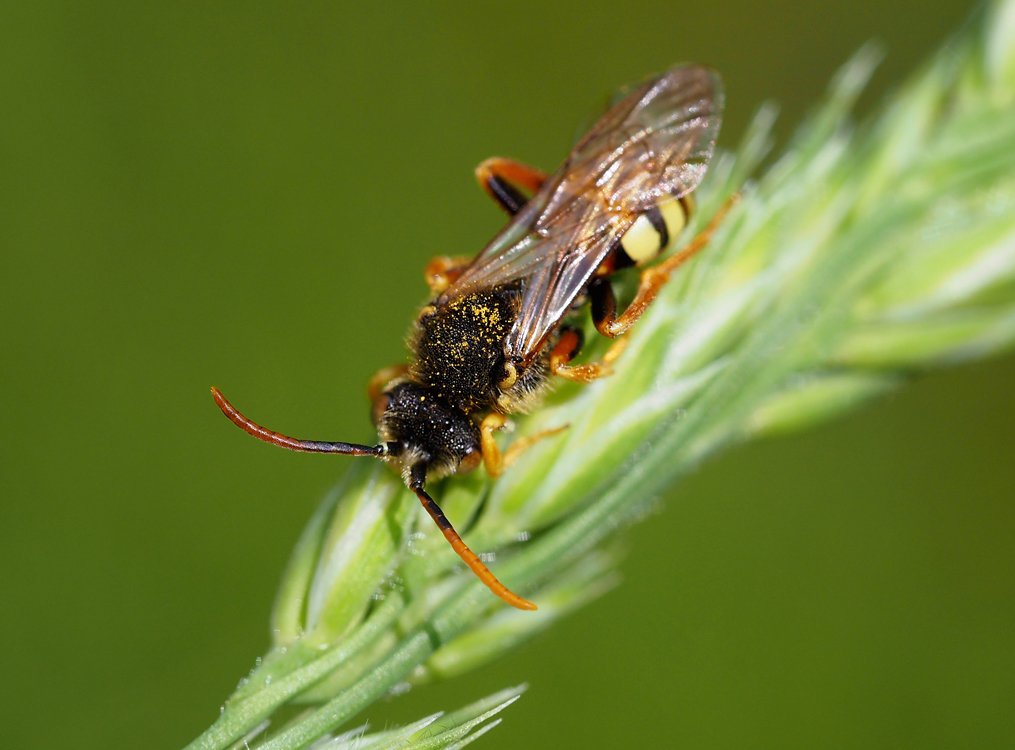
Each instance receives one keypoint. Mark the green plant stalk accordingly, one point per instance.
(435, 732)
(862, 255)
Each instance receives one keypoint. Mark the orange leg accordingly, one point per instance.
(442, 272)
(568, 346)
(381, 378)
(604, 304)
(502, 179)
(493, 459)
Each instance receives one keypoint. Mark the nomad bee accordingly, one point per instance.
(493, 333)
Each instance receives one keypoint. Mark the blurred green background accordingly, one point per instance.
(245, 194)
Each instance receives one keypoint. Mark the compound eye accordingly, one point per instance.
(470, 461)
(508, 376)
(380, 406)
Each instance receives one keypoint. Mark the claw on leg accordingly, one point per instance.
(567, 348)
(495, 461)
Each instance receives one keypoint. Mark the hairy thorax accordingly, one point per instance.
(459, 348)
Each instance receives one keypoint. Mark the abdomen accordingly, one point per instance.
(653, 232)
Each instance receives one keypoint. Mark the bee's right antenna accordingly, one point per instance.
(417, 480)
(294, 444)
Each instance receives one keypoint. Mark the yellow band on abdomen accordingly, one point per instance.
(641, 242)
(653, 231)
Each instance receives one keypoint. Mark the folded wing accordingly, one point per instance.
(654, 143)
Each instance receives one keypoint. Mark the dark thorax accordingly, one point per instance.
(459, 347)
(425, 430)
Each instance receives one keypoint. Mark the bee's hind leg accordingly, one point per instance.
(604, 303)
(503, 180)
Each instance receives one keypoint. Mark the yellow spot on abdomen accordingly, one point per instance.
(674, 217)
(641, 241)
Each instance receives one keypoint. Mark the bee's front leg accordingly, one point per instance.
(379, 381)
(493, 459)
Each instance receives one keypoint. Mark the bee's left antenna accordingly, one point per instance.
(294, 444)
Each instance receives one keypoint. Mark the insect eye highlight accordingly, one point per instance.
(508, 376)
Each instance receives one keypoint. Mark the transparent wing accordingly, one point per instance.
(655, 142)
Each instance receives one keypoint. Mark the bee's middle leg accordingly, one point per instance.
(502, 179)
(567, 347)
(443, 271)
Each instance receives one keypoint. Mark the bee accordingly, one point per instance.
(494, 331)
